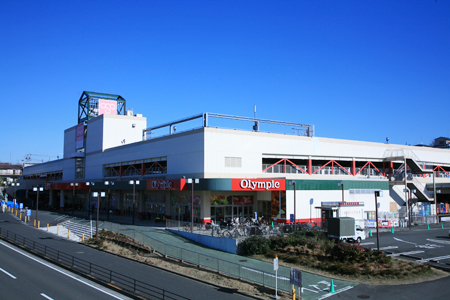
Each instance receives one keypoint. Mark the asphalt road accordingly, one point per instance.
(25, 276)
(162, 279)
(420, 244)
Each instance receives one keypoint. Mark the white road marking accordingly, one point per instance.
(45, 296)
(64, 273)
(9, 274)
(426, 246)
(388, 247)
(439, 258)
(439, 241)
(336, 292)
(405, 253)
(364, 244)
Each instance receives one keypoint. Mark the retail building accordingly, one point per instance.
(241, 172)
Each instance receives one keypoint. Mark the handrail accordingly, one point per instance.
(100, 274)
(240, 271)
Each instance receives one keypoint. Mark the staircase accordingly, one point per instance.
(413, 162)
(79, 228)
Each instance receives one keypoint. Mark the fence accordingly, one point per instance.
(202, 260)
(99, 273)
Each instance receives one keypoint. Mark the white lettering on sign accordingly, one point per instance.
(162, 185)
(248, 184)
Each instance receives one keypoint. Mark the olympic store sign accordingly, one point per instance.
(163, 184)
(258, 184)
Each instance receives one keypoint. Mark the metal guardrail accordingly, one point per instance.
(240, 271)
(92, 271)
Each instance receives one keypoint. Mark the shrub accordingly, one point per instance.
(254, 245)
(278, 242)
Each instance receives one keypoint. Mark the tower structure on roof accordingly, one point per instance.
(92, 104)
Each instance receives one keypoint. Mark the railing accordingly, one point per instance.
(319, 170)
(222, 266)
(99, 273)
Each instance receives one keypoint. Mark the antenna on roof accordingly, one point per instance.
(256, 126)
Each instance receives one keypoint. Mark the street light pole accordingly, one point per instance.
(37, 189)
(15, 185)
(109, 196)
(89, 199)
(134, 182)
(435, 200)
(97, 194)
(292, 182)
(380, 194)
(73, 196)
(192, 181)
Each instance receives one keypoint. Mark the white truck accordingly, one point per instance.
(345, 229)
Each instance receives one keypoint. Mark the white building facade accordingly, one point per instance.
(284, 178)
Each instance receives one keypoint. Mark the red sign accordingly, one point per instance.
(350, 204)
(258, 184)
(167, 184)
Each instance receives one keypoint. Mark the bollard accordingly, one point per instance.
(16, 213)
(82, 237)
(34, 224)
(25, 219)
(68, 233)
(20, 216)
(293, 294)
(428, 226)
(57, 230)
(332, 287)
(392, 230)
(442, 225)
(370, 232)
(47, 226)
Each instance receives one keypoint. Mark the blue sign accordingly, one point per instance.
(296, 277)
(21, 205)
(292, 218)
(29, 213)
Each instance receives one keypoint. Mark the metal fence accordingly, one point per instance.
(96, 272)
(240, 271)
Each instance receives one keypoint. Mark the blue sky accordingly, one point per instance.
(358, 70)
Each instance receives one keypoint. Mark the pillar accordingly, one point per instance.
(61, 200)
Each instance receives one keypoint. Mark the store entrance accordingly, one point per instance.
(183, 213)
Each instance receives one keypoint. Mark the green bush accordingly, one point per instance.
(278, 242)
(254, 245)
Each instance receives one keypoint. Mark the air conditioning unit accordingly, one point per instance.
(129, 113)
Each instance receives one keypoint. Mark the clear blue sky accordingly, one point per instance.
(359, 70)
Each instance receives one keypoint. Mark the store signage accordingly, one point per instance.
(259, 184)
(107, 107)
(79, 143)
(163, 185)
(351, 204)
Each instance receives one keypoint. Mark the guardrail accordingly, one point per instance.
(92, 271)
(239, 271)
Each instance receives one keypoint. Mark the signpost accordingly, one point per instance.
(275, 268)
(296, 278)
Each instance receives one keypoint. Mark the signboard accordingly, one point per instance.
(258, 184)
(296, 277)
(167, 184)
(275, 264)
(21, 205)
(107, 107)
(80, 136)
(292, 218)
(351, 203)
(29, 213)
